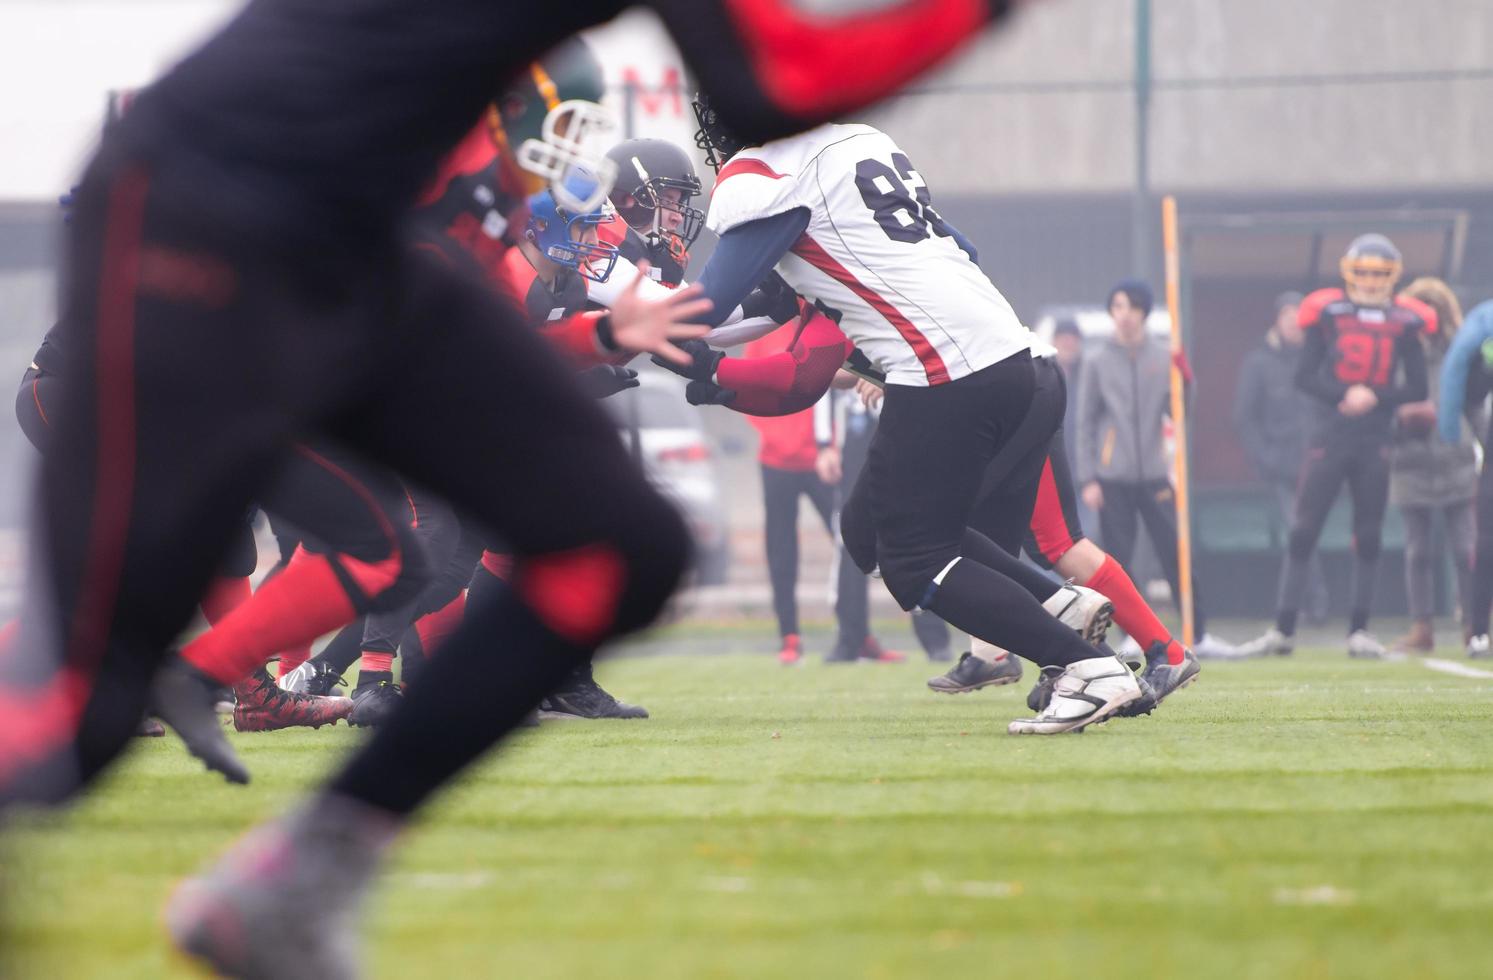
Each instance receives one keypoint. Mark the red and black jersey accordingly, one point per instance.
(560, 311)
(474, 208)
(1348, 344)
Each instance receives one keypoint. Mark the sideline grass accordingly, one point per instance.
(1305, 818)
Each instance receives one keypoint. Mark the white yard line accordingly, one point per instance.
(1459, 670)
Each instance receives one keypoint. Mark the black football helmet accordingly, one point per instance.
(718, 142)
(646, 170)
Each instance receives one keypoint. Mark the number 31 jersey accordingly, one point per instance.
(875, 253)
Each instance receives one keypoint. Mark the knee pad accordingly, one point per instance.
(613, 586)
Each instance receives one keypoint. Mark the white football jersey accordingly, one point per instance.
(875, 250)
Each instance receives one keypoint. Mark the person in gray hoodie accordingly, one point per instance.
(1271, 417)
(1124, 394)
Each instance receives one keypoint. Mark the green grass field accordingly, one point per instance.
(1308, 818)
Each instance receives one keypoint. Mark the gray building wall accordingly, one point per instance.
(1250, 95)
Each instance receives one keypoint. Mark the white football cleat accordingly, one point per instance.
(296, 680)
(1210, 647)
(1085, 692)
(1363, 646)
(1273, 643)
(1478, 647)
(1083, 610)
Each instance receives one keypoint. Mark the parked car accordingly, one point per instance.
(668, 435)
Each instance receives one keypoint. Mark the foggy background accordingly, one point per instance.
(1284, 128)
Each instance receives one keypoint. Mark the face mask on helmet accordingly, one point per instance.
(712, 136)
(655, 184)
(561, 151)
(1370, 268)
(567, 236)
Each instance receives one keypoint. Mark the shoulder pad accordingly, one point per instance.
(1314, 305)
(1423, 311)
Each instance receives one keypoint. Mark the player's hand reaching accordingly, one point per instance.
(652, 326)
(699, 361)
(870, 393)
(1358, 400)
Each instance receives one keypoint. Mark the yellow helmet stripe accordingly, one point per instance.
(546, 85)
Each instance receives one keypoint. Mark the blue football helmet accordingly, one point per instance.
(556, 229)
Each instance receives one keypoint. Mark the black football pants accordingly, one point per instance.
(1364, 466)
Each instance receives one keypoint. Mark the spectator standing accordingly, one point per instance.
(1124, 395)
(1428, 475)
(786, 453)
(1271, 417)
(852, 416)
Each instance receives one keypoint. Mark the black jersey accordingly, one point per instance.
(666, 267)
(1347, 344)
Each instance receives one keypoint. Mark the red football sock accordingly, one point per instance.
(1131, 611)
(293, 608)
(435, 627)
(293, 658)
(375, 662)
(224, 595)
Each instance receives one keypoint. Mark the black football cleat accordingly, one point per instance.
(184, 698)
(375, 704)
(972, 673)
(582, 697)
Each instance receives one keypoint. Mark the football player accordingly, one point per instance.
(655, 186)
(848, 222)
(1361, 360)
(238, 242)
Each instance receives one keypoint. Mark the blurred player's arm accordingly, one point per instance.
(776, 67)
(778, 384)
(745, 255)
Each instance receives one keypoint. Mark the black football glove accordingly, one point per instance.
(774, 298)
(703, 361)
(605, 380)
(708, 393)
